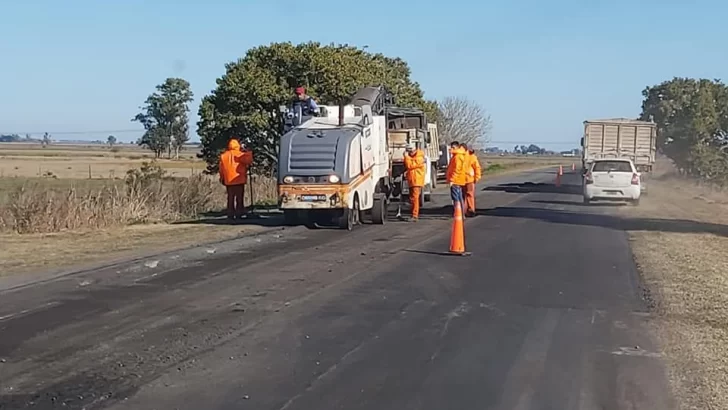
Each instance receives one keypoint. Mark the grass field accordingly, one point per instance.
(679, 239)
(92, 161)
(53, 214)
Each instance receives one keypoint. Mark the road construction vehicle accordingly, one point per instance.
(620, 138)
(335, 167)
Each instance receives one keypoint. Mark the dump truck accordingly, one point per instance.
(620, 138)
(439, 152)
(409, 126)
(335, 167)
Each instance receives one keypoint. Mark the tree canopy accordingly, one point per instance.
(164, 117)
(246, 101)
(464, 120)
(692, 124)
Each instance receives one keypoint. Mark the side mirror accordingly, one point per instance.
(428, 137)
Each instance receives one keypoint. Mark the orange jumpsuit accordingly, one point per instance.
(233, 166)
(473, 175)
(414, 164)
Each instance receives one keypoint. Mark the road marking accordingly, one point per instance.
(31, 310)
(635, 351)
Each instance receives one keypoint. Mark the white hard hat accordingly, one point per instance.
(410, 147)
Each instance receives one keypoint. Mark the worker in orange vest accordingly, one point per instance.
(474, 173)
(414, 164)
(457, 172)
(234, 163)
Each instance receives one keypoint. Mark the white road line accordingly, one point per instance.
(31, 310)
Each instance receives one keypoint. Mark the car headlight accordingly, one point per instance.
(288, 179)
(333, 179)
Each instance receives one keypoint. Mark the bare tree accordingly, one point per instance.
(464, 120)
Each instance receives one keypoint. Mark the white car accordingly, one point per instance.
(611, 179)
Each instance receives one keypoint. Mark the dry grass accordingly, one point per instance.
(687, 273)
(143, 198)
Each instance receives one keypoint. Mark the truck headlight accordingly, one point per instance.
(288, 179)
(333, 179)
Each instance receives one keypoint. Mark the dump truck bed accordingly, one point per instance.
(620, 138)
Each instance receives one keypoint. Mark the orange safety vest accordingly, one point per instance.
(415, 166)
(457, 168)
(474, 170)
(234, 164)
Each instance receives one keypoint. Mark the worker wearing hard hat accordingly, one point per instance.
(457, 171)
(414, 164)
(234, 164)
(308, 105)
(474, 173)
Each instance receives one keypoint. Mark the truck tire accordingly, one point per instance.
(350, 217)
(426, 194)
(379, 211)
(433, 177)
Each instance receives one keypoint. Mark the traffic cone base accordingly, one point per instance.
(457, 236)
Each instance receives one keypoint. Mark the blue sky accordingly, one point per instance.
(539, 67)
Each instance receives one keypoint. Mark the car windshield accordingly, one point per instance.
(612, 166)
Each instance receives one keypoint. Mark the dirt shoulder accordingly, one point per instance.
(43, 252)
(685, 266)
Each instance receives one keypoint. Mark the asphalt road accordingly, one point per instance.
(547, 313)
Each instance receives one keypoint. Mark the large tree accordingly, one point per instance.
(164, 117)
(692, 124)
(464, 120)
(246, 101)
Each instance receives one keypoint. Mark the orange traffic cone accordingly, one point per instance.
(558, 179)
(561, 170)
(457, 237)
(573, 166)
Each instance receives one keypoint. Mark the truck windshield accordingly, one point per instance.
(612, 166)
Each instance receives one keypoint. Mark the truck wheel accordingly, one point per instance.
(379, 211)
(433, 177)
(350, 217)
(422, 197)
(426, 196)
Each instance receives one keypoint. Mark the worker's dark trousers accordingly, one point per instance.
(235, 197)
(456, 194)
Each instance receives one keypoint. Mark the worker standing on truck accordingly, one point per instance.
(473, 176)
(308, 105)
(234, 163)
(414, 164)
(457, 172)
